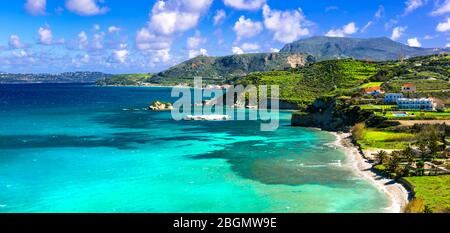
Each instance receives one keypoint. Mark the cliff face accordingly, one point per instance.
(333, 115)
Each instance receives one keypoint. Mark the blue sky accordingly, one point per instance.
(117, 36)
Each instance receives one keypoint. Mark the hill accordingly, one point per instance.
(374, 49)
(124, 80)
(303, 85)
(219, 70)
(66, 77)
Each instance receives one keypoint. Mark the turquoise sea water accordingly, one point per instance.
(72, 148)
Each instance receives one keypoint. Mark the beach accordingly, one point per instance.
(395, 191)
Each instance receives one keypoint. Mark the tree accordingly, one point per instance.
(422, 145)
(434, 148)
(394, 161)
(381, 157)
(408, 154)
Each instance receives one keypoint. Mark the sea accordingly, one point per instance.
(81, 148)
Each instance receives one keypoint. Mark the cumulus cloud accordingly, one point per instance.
(250, 46)
(36, 7)
(287, 26)
(113, 29)
(274, 50)
(414, 42)
(237, 50)
(442, 9)
(412, 5)
(346, 30)
(397, 32)
(196, 53)
(246, 28)
(245, 4)
(219, 17)
(83, 40)
(444, 26)
(177, 15)
(121, 55)
(15, 42)
(86, 7)
(45, 36)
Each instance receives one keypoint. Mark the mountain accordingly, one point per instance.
(217, 70)
(375, 49)
(66, 77)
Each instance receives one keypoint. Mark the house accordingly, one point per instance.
(415, 104)
(408, 87)
(376, 90)
(392, 97)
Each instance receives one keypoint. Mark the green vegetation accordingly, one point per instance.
(371, 84)
(373, 138)
(124, 80)
(220, 70)
(434, 191)
(305, 84)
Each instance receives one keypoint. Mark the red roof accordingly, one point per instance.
(372, 89)
(409, 85)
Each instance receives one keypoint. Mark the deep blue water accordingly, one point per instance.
(72, 148)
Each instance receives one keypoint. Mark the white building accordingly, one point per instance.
(416, 104)
(392, 97)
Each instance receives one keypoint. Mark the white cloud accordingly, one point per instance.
(36, 7)
(397, 32)
(250, 46)
(447, 45)
(177, 15)
(237, 50)
(83, 41)
(219, 17)
(414, 42)
(273, 50)
(245, 4)
(121, 55)
(348, 29)
(246, 28)
(287, 26)
(412, 5)
(113, 29)
(367, 26)
(196, 53)
(15, 42)
(97, 41)
(380, 12)
(195, 41)
(162, 55)
(20, 54)
(428, 37)
(86, 7)
(45, 36)
(146, 40)
(444, 26)
(442, 9)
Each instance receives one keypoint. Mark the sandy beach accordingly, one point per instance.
(397, 194)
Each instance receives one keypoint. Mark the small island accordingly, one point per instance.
(160, 106)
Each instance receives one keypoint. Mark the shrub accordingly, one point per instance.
(417, 205)
(358, 131)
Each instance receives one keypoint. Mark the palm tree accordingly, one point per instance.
(408, 154)
(394, 161)
(381, 157)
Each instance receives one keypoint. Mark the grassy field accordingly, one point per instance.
(371, 84)
(434, 190)
(373, 138)
(417, 115)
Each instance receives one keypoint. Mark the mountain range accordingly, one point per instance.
(292, 55)
(374, 49)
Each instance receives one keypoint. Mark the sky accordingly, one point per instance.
(142, 36)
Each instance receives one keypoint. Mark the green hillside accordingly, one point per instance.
(374, 49)
(124, 80)
(305, 84)
(219, 70)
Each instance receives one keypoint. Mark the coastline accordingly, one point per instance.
(396, 192)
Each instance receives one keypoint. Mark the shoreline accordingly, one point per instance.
(396, 192)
